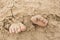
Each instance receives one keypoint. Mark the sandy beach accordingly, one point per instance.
(22, 11)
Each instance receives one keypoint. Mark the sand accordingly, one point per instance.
(22, 10)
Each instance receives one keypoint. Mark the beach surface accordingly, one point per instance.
(22, 11)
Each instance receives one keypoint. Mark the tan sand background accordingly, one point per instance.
(22, 11)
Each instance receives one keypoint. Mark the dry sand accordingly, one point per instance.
(22, 10)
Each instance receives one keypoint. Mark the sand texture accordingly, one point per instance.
(22, 10)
